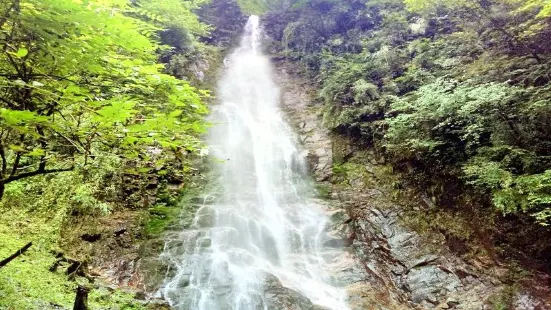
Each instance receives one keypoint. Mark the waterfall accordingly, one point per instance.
(263, 231)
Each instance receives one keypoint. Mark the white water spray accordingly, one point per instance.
(264, 223)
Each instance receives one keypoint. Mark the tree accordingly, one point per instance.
(512, 23)
(80, 81)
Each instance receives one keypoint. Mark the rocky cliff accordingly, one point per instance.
(389, 264)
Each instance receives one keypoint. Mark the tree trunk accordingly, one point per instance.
(81, 300)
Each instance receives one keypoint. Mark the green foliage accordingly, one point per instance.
(448, 90)
(26, 283)
(259, 7)
(545, 7)
(36, 210)
(419, 5)
(322, 190)
(160, 217)
(118, 300)
(513, 193)
(253, 6)
(91, 124)
(228, 18)
(450, 122)
(446, 113)
(173, 14)
(81, 81)
(542, 7)
(364, 91)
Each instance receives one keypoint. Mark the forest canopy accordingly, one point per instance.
(454, 93)
(80, 82)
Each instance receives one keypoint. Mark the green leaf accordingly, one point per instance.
(37, 152)
(22, 52)
(16, 148)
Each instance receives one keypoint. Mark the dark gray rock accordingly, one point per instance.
(425, 283)
(278, 297)
(332, 241)
(204, 217)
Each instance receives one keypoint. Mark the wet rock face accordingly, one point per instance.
(314, 137)
(422, 274)
(278, 297)
(344, 268)
(388, 265)
(422, 270)
(362, 296)
(274, 296)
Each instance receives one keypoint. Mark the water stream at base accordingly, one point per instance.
(264, 224)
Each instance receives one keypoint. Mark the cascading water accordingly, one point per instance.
(264, 224)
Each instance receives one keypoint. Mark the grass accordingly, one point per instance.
(27, 215)
(26, 282)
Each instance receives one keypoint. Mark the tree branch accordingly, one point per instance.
(9, 103)
(16, 254)
(75, 143)
(35, 173)
(15, 164)
(50, 76)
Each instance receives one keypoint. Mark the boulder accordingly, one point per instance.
(278, 297)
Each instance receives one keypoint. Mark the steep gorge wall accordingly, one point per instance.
(402, 268)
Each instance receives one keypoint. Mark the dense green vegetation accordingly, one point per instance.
(82, 84)
(100, 114)
(455, 94)
(99, 124)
